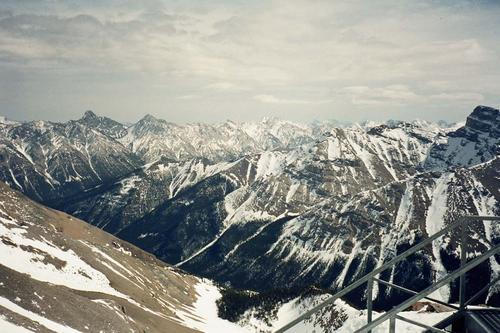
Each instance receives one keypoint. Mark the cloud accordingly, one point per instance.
(468, 97)
(277, 43)
(393, 94)
(226, 86)
(275, 100)
(401, 54)
(5, 13)
(188, 97)
(140, 43)
(401, 95)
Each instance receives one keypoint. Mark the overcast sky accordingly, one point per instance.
(205, 61)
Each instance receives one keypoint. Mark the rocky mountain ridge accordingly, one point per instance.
(295, 207)
(219, 142)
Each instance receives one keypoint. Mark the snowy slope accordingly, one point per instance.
(338, 317)
(60, 274)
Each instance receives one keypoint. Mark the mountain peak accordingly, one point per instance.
(103, 124)
(149, 117)
(485, 112)
(484, 119)
(230, 123)
(89, 115)
(269, 120)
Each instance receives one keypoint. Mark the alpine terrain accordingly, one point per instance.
(271, 207)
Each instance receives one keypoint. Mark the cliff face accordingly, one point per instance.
(485, 120)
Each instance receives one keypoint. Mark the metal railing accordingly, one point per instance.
(392, 314)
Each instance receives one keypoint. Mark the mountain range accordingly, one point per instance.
(272, 204)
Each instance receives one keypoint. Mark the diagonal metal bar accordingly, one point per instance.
(372, 274)
(395, 310)
(382, 268)
(482, 218)
(409, 291)
(430, 328)
(463, 260)
(483, 290)
(446, 322)
(369, 300)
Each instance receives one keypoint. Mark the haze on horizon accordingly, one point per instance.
(208, 61)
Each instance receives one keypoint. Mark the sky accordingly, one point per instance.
(208, 61)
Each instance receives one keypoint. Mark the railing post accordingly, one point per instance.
(463, 261)
(392, 325)
(369, 302)
(466, 266)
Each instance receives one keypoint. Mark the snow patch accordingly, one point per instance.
(74, 273)
(203, 313)
(8, 327)
(52, 325)
(435, 223)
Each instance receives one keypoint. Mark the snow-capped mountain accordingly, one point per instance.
(104, 125)
(476, 142)
(152, 138)
(328, 212)
(50, 161)
(274, 204)
(323, 167)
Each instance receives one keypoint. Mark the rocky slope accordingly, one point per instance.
(104, 125)
(60, 274)
(51, 161)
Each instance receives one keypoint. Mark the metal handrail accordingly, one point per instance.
(416, 323)
(482, 291)
(461, 221)
(455, 274)
(409, 291)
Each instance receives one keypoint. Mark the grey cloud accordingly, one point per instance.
(403, 95)
(467, 97)
(5, 13)
(393, 94)
(304, 56)
(271, 99)
(226, 86)
(86, 41)
(51, 28)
